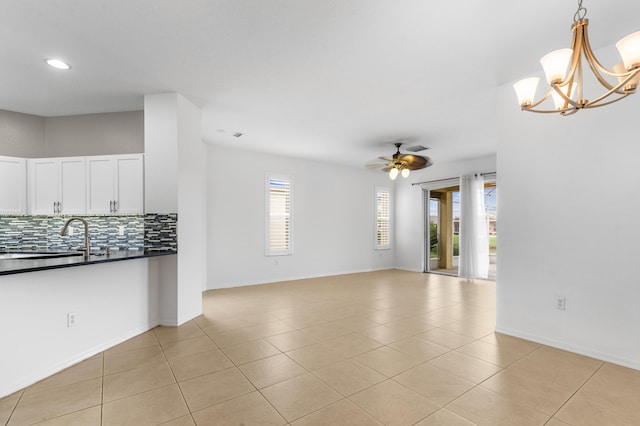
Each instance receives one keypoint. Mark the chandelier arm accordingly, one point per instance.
(572, 105)
(618, 88)
(629, 76)
(593, 62)
(573, 109)
(567, 100)
(569, 112)
(576, 63)
(538, 102)
(610, 102)
(553, 111)
(596, 102)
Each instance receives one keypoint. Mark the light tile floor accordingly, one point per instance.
(390, 347)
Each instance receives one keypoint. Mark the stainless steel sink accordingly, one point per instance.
(34, 256)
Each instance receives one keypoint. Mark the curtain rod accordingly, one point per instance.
(443, 180)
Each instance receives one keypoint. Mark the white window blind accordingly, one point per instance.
(383, 219)
(278, 221)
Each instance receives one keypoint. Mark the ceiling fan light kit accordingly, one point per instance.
(566, 89)
(402, 164)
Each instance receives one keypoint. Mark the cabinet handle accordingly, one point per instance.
(110, 206)
(115, 206)
(54, 207)
(59, 207)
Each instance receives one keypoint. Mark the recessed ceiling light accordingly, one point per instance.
(57, 63)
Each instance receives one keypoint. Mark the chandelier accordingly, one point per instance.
(566, 88)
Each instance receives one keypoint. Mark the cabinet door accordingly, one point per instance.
(129, 180)
(44, 178)
(100, 185)
(73, 191)
(13, 185)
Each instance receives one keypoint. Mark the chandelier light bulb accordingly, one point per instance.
(629, 48)
(393, 173)
(526, 90)
(555, 64)
(405, 173)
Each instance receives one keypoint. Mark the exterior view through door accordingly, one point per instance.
(443, 228)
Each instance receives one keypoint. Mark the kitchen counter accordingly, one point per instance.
(17, 266)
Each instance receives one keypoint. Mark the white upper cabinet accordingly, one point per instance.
(57, 185)
(13, 185)
(115, 184)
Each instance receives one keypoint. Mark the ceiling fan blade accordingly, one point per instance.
(401, 161)
(415, 162)
(377, 165)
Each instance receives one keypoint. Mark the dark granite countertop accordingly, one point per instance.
(17, 266)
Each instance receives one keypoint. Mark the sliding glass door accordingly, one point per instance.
(442, 228)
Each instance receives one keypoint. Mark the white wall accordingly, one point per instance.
(333, 219)
(192, 220)
(569, 198)
(112, 302)
(410, 219)
(175, 181)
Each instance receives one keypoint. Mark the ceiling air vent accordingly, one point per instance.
(416, 148)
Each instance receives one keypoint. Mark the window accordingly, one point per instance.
(278, 216)
(383, 219)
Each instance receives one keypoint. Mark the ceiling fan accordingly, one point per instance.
(401, 163)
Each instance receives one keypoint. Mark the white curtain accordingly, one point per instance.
(474, 239)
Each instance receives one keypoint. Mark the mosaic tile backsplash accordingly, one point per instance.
(161, 231)
(141, 232)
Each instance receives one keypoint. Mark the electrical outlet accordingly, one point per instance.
(561, 303)
(71, 319)
(121, 230)
(70, 230)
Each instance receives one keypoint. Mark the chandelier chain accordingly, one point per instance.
(580, 13)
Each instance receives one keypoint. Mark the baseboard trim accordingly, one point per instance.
(293, 278)
(602, 356)
(8, 389)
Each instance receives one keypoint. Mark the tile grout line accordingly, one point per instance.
(578, 390)
(15, 407)
(174, 375)
(234, 365)
(102, 393)
(474, 386)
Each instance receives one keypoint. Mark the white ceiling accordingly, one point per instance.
(333, 80)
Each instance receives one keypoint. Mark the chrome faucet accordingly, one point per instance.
(86, 232)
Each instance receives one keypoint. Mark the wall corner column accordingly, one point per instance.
(175, 182)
